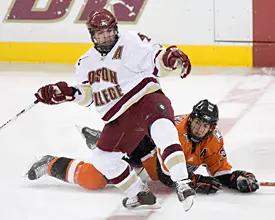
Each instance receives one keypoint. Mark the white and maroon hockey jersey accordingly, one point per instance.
(121, 78)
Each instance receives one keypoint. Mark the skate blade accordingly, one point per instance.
(79, 129)
(146, 207)
(188, 203)
(34, 160)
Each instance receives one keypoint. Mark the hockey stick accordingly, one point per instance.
(267, 183)
(17, 115)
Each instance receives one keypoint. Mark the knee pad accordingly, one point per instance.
(58, 168)
(89, 177)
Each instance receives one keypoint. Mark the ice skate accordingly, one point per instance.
(185, 194)
(143, 200)
(39, 168)
(91, 136)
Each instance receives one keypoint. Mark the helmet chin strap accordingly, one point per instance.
(193, 137)
(196, 139)
(105, 49)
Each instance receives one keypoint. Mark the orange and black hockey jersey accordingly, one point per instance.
(210, 152)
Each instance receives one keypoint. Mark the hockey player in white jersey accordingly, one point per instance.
(120, 76)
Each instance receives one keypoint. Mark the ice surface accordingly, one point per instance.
(247, 112)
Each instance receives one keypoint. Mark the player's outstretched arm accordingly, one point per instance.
(53, 94)
(173, 58)
(204, 184)
(201, 184)
(241, 180)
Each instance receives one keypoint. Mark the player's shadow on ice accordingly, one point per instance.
(54, 185)
(158, 188)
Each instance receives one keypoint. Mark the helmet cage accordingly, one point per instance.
(106, 47)
(99, 20)
(205, 112)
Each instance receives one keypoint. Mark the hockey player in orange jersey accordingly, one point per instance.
(202, 144)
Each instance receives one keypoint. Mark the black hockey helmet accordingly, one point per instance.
(206, 112)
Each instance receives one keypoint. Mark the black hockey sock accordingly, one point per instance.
(59, 168)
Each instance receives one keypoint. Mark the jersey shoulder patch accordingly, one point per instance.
(218, 135)
(144, 37)
(138, 39)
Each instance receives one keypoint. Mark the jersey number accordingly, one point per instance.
(142, 37)
(223, 154)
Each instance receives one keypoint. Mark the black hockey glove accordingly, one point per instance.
(243, 181)
(204, 184)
